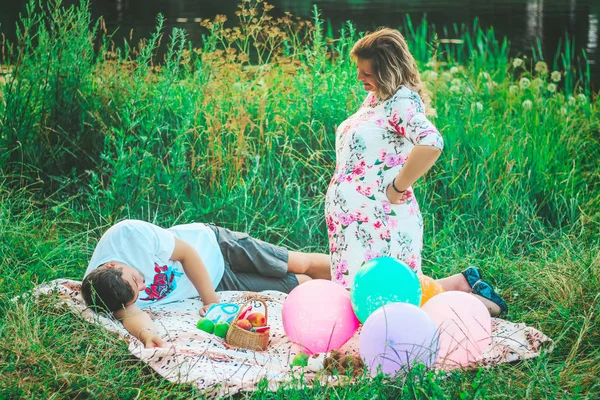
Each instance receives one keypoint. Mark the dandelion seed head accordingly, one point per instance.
(524, 83)
(517, 62)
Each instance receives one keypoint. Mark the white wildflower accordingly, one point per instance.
(429, 76)
(513, 89)
(447, 76)
(454, 70)
(517, 62)
(456, 82)
(582, 97)
(527, 104)
(551, 87)
(555, 76)
(524, 83)
(536, 84)
(455, 89)
(571, 100)
(541, 67)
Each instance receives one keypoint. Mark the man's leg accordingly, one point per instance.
(459, 282)
(455, 282)
(303, 278)
(315, 265)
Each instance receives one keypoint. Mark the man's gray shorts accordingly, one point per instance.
(251, 264)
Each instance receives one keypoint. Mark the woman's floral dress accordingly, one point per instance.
(372, 146)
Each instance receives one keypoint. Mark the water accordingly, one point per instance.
(522, 21)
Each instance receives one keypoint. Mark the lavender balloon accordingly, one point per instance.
(396, 336)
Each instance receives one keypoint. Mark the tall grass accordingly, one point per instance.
(239, 130)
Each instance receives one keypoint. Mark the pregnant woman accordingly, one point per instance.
(381, 151)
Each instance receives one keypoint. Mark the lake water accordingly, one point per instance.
(522, 21)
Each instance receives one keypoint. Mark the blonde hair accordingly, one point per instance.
(392, 63)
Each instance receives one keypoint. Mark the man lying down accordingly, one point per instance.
(137, 264)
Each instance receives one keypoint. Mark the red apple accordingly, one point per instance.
(257, 319)
(244, 324)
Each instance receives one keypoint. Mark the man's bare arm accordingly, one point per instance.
(139, 324)
(196, 271)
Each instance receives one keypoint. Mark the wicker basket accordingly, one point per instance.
(239, 337)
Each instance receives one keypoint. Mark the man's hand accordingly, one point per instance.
(204, 309)
(151, 339)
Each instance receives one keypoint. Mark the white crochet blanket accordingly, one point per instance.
(206, 361)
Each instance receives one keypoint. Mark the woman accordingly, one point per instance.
(381, 150)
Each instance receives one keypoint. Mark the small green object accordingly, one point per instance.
(221, 329)
(301, 360)
(206, 325)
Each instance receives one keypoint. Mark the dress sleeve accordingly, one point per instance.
(406, 117)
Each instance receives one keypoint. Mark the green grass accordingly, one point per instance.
(239, 130)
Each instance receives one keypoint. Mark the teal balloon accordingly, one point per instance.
(381, 281)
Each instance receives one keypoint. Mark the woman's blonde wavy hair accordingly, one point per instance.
(392, 63)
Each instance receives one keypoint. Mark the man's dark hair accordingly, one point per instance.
(104, 289)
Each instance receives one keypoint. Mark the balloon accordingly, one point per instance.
(396, 336)
(429, 288)
(465, 327)
(318, 316)
(383, 280)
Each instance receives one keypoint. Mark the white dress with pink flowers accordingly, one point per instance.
(372, 146)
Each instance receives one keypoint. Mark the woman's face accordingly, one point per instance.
(365, 74)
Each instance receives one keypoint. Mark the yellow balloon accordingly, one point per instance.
(429, 288)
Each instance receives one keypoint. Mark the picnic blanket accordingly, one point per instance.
(195, 357)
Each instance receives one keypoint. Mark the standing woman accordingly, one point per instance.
(381, 151)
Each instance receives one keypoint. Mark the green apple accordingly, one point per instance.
(301, 360)
(221, 329)
(206, 325)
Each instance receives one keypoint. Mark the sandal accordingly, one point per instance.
(472, 275)
(485, 290)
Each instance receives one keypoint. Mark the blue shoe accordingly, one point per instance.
(472, 275)
(485, 290)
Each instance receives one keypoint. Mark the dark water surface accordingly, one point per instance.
(522, 21)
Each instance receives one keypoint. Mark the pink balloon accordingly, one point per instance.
(318, 316)
(465, 327)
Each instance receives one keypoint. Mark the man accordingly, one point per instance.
(136, 264)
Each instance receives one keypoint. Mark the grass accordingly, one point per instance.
(240, 131)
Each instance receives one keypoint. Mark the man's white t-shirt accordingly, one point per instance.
(149, 248)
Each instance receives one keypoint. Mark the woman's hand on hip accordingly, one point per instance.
(398, 198)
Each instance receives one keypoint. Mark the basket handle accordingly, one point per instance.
(248, 302)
